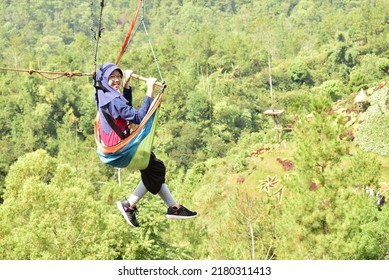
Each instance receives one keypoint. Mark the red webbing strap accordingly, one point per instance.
(129, 32)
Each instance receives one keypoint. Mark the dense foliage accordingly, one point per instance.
(225, 63)
(372, 132)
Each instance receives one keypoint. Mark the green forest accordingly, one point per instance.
(301, 184)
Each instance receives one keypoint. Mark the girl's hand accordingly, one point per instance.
(126, 77)
(150, 86)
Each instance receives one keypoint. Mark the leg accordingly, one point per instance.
(154, 175)
(138, 193)
(175, 210)
(128, 206)
(166, 196)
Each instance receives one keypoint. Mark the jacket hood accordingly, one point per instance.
(105, 93)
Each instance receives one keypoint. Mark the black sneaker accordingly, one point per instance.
(128, 212)
(180, 213)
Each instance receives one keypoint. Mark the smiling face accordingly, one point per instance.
(115, 80)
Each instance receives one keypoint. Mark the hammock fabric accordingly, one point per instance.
(134, 151)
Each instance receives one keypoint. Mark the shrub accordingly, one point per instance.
(373, 133)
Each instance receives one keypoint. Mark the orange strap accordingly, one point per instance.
(129, 32)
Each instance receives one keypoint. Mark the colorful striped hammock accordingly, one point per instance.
(134, 151)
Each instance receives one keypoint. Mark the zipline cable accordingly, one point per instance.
(96, 35)
(128, 39)
(152, 49)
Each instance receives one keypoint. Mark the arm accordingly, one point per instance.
(127, 90)
(127, 93)
(118, 108)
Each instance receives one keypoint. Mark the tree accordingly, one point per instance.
(51, 212)
(319, 147)
(333, 89)
(326, 203)
(299, 74)
(372, 134)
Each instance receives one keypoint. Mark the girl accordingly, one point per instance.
(115, 110)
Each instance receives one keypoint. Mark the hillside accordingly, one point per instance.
(237, 206)
(237, 199)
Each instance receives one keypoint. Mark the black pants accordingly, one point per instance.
(154, 175)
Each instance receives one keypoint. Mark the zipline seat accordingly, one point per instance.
(134, 151)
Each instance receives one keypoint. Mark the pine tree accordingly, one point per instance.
(326, 205)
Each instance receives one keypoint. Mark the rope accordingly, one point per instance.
(129, 32)
(46, 73)
(128, 38)
(96, 37)
(152, 50)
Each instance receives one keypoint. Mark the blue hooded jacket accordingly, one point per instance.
(118, 106)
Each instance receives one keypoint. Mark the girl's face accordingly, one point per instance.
(115, 80)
